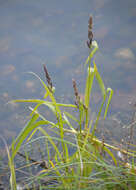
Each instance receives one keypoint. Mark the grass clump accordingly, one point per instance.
(75, 157)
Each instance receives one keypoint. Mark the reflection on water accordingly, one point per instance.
(36, 32)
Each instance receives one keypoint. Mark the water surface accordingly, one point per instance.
(55, 33)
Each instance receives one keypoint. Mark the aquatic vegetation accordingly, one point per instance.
(75, 157)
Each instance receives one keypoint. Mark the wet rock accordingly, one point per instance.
(7, 69)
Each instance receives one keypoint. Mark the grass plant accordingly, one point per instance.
(92, 163)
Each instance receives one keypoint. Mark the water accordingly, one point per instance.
(55, 33)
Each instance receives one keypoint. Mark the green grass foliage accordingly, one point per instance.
(92, 163)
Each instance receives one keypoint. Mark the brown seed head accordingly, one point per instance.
(47, 77)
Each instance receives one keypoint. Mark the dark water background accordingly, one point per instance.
(54, 32)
